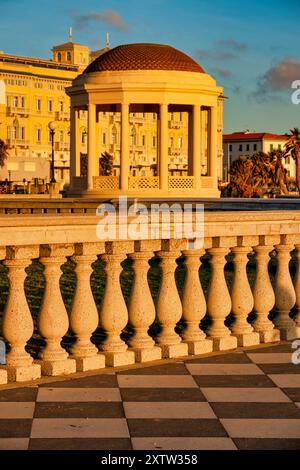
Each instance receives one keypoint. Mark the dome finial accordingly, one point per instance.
(107, 40)
(70, 34)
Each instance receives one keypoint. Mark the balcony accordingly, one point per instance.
(174, 151)
(13, 110)
(62, 116)
(175, 124)
(18, 143)
(61, 147)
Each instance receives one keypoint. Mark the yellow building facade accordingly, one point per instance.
(32, 94)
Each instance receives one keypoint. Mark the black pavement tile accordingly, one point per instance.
(280, 368)
(267, 444)
(162, 394)
(229, 358)
(79, 410)
(80, 444)
(275, 348)
(256, 410)
(175, 428)
(292, 393)
(234, 381)
(164, 369)
(15, 427)
(92, 381)
(19, 394)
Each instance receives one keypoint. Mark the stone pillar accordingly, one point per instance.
(194, 305)
(113, 312)
(213, 156)
(219, 302)
(91, 145)
(168, 307)
(163, 147)
(84, 316)
(297, 292)
(264, 298)
(242, 299)
(285, 296)
(74, 144)
(197, 146)
(17, 324)
(3, 372)
(142, 310)
(53, 319)
(124, 157)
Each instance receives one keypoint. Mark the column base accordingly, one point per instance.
(247, 339)
(292, 332)
(147, 355)
(199, 347)
(3, 377)
(224, 344)
(21, 374)
(173, 350)
(115, 359)
(270, 336)
(89, 363)
(54, 368)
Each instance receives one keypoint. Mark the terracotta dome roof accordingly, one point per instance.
(143, 57)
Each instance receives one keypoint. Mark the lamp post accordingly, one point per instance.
(52, 127)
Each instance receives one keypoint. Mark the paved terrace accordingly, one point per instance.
(246, 399)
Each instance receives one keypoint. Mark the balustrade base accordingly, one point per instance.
(21, 374)
(89, 363)
(287, 334)
(223, 344)
(147, 355)
(54, 368)
(247, 339)
(199, 347)
(3, 377)
(115, 359)
(173, 350)
(271, 336)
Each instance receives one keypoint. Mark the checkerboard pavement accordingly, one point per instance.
(247, 399)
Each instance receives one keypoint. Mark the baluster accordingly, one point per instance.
(168, 307)
(285, 296)
(53, 318)
(297, 292)
(113, 313)
(218, 302)
(194, 305)
(264, 297)
(17, 321)
(242, 299)
(3, 372)
(142, 310)
(84, 316)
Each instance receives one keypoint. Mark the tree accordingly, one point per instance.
(3, 152)
(292, 146)
(106, 163)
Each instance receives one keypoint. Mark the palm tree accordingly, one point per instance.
(3, 152)
(292, 146)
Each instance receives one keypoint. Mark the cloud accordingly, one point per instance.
(232, 44)
(276, 79)
(225, 49)
(224, 73)
(110, 17)
(214, 54)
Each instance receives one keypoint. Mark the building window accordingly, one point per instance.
(38, 134)
(69, 56)
(143, 140)
(247, 147)
(61, 106)
(61, 137)
(59, 57)
(171, 142)
(240, 147)
(254, 147)
(50, 106)
(103, 138)
(15, 101)
(114, 136)
(14, 132)
(133, 136)
(230, 148)
(180, 143)
(22, 132)
(22, 102)
(49, 136)
(83, 137)
(154, 141)
(271, 147)
(38, 104)
(180, 116)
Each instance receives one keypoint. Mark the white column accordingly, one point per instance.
(297, 292)
(114, 314)
(169, 308)
(197, 146)
(3, 373)
(142, 310)
(74, 144)
(264, 298)
(163, 147)
(17, 326)
(91, 145)
(219, 302)
(285, 296)
(53, 320)
(84, 317)
(242, 299)
(124, 157)
(213, 156)
(194, 305)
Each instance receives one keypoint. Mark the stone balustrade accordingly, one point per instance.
(229, 237)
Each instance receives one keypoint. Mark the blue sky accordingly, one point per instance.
(252, 47)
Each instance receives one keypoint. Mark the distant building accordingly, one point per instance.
(247, 143)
